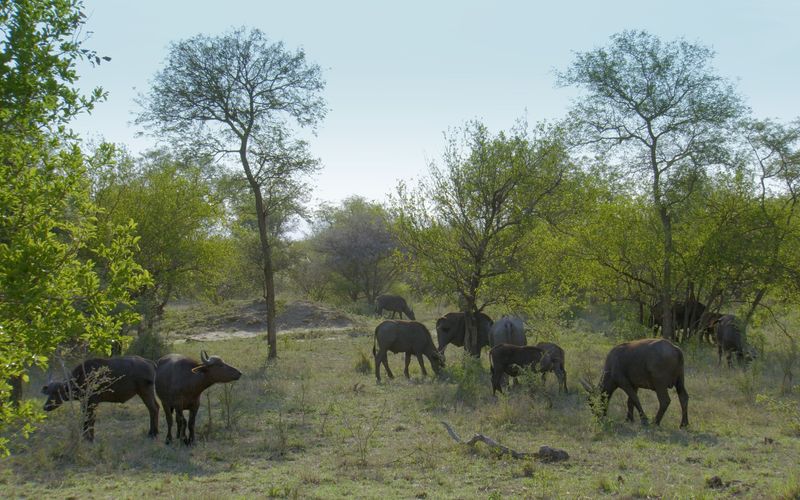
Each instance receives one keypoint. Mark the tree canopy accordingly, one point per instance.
(61, 278)
(465, 224)
(658, 113)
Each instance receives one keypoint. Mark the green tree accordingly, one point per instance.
(59, 279)
(356, 239)
(176, 212)
(464, 226)
(236, 94)
(661, 115)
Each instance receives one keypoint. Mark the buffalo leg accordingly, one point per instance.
(422, 365)
(382, 357)
(631, 405)
(497, 379)
(633, 398)
(561, 374)
(719, 354)
(149, 399)
(683, 397)
(192, 416)
(663, 404)
(180, 434)
(408, 362)
(168, 418)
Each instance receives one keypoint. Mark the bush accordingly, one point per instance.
(149, 345)
(469, 376)
(363, 364)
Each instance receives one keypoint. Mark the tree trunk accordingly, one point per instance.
(16, 390)
(266, 254)
(471, 327)
(667, 325)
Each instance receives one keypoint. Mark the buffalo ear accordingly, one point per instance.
(44, 390)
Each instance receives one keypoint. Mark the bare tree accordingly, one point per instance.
(238, 95)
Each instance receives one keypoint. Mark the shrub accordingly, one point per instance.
(363, 364)
(148, 344)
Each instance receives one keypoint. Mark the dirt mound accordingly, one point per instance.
(249, 320)
(304, 314)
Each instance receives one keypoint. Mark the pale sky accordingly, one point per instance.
(399, 74)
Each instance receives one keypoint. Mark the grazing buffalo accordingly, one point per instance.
(655, 364)
(409, 337)
(553, 362)
(507, 359)
(394, 303)
(728, 333)
(450, 329)
(107, 380)
(685, 316)
(507, 330)
(179, 382)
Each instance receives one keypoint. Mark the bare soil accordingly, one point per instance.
(249, 320)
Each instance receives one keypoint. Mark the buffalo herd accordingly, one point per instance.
(178, 381)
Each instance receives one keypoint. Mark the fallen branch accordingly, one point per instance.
(545, 453)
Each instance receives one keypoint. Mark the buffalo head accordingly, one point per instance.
(57, 393)
(216, 369)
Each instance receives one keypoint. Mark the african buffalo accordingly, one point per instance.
(107, 380)
(708, 326)
(394, 303)
(507, 359)
(655, 364)
(685, 316)
(450, 329)
(554, 362)
(179, 382)
(507, 330)
(409, 337)
(728, 333)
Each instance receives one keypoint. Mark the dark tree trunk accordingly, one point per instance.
(16, 390)
(266, 255)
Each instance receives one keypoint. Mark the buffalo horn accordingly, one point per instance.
(203, 356)
(586, 385)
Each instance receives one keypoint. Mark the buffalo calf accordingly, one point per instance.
(553, 362)
(507, 359)
(409, 337)
(107, 380)
(729, 337)
(179, 382)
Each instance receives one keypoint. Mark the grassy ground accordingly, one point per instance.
(312, 426)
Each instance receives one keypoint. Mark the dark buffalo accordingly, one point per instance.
(686, 316)
(507, 359)
(394, 303)
(409, 337)
(707, 326)
(179, 382)
(507, 330)
(553, 362)
(450, 329)
(107, 380)
(655, 364)
(729, 337)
